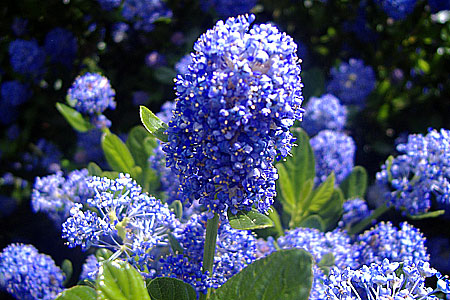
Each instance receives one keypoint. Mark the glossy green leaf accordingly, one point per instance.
(118, 280)
(321, 195)
(175, 245)
(331, 211)
(313, 221)
(283, 275)
(79, 292)
(247, 220)
(286, 189)
(117, 154)
(431, 214)
(355, 184)
(170, 289)
(177, 208)
(94, 169)
(273, 215)
(326, 262)
(74, 118)
(136, 145)
(153, 124)
(67, 269)
(103, 254)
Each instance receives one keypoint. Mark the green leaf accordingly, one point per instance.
(283, 275)
(67, 269)
(313, 221)
(320, 196)
(431, 214)
(136, 144)
(177, 208)
(331, 212)
(110, 174)
(273, 215)
(355, 184)
(117, 154)
(163, 288)
(175, 245)
(118, 280)
(247, 220)
(286, 189)
(153, 124)
(94, 169)
(74, 118)
(103, 254)
(78, 292)
(326, 262)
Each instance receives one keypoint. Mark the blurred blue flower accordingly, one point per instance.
(144, 13)
(89, 270)
(61, 45)
(19, 26)
(182, 66)
(109, 4)
(438, 5)
(45, 155)
(119, 32)
(89, 148)
(354, 211)
(155, 59)
(228, 8)
(15, 93)
(27, 58)
(397, 9)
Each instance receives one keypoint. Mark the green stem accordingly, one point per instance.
(366, 222)
(210, 249)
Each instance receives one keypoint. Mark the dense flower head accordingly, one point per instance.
(109, 4)
(385, 280)
(182, 66)
(234, 109)
(320, 243)
(334, 152)
(27, 58)
(397, 9)
(125, 220)
(420, 175)
(352, 82)
(228, 8)
(55, 194)
(387, 241)
(354, 211)
(29, 275)
(14, 93)
(89, 270)
(143, 13)
(92, 93)
(61, 46)
(45, 155)
(325, 112)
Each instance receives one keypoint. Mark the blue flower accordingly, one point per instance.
(385, 280)
(55, 194)
(61, 46)
(354, 211)
(92, 93)
(438, 5)
(334, 152)
(89, 148)
(119, 32)
(27, 58)
(420, 175)
(234, 109)
(352, 82)
(397, 9)
(182, 66)
(360, 26)
(45, 155)
(140, 98)
(19, 26)
(123, 219)
(386, 241)
(89, 270)
(155, 59)
(325, 112)
(27, 274)
(14, 93)
(228, 8)
(143, 13)
(109, 4)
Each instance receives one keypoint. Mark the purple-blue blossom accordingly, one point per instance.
(182, 65)
(233, 112)
(334, 151)
(89, 148)
(109, 4)
(228, 8)
(89, 270)
(352, 82)
(61, 45)
(438, 5)
(14, 93)
(354, 211)
(45, 156)
(325, 112)
(143, 13)
(397, 9)
(27, 274)
(27, 58)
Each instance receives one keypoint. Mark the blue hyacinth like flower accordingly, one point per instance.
(89, 270)
(61, 46)
(334, 152)
(385, 280)
(228, 8)
(89, 148)
(325, 112)
(45, 155)
(352, 82)
(27, 274)
(19, 26)
(360, 25)
(438, 5)
(14, 93)
(109, 4)
(387, 241)
(234, 109)
(144, 13)
(27, 58)
(397, 9)
(122, 219)
(92, 93)
(354, 211)
(419, 176)
(55, 194)
(182, 66)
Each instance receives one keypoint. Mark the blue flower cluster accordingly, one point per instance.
(109, 4)
(121, 218)
(182, 66)
(334, 151)
(27, 58)
(325, 112)
(92, 93)
(354, 211)
(55, 194)
(386, 241)
(360, 26)
(420, 175)
(27, 274)
(385, 280)
(14, 93)
(234, 109)
(352, 82)
(61, 45)
(438, 5)
(228, 8)
(89, 148)
(143, 13)
(89, 270)
(45, 156)
(397, 9)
